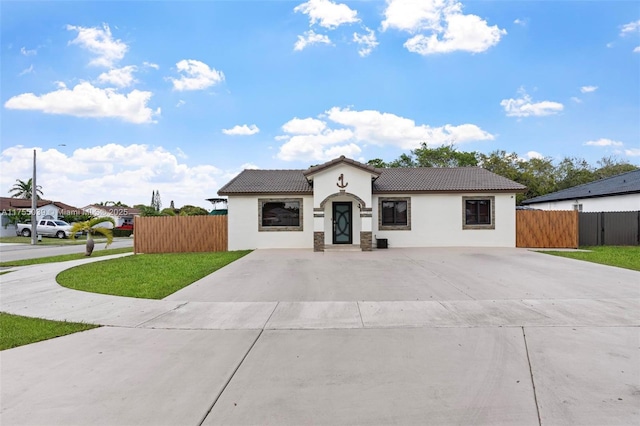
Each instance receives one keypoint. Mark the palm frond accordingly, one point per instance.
(106, 232)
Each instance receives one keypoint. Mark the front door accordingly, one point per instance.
(342, 223)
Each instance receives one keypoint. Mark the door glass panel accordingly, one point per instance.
(342, 225)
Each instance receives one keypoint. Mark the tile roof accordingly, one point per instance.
(440, 179)
(625, 183)
(8, 203)
(424, 179)
(342, 159)
(268, 182)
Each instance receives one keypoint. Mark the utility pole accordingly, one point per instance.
(34, 204)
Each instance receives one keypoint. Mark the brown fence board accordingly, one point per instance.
(546, 229)
(180, 234)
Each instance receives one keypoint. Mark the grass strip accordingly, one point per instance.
(51, 241)
(16, 330)
(147, 276)
(65, 257)
(621, 256)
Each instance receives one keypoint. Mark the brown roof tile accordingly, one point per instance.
(437, 179)
(342, 159)
(268, 181)
(424, 179)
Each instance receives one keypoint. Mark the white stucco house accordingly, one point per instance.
(121, 215)
(45, 209)
(614, 194)
(346, 203)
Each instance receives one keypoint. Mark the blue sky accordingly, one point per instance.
(123, 98)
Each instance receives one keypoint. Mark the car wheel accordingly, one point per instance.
(60, 235)
(26, 233)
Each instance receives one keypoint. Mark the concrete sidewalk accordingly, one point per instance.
(477, 352)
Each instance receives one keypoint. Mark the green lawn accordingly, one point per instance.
(65, 257)
(16, 330)
(622, 256)
(148, 276)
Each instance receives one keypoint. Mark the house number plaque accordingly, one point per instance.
(341, 183)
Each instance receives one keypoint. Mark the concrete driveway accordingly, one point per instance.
(399, 336)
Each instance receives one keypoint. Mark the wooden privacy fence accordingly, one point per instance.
(546, 229)
(180, 234)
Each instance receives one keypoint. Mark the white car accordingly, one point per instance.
(47, 228)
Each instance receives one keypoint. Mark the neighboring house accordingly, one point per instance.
(616, 193)
(120, 215)
(9, 206)
(347, 202)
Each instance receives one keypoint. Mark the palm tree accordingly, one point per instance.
(91, 229)
(22, 189)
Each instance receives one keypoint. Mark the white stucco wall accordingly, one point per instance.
(358, 180)
(243, 225)
(614, 203)
(437, 221)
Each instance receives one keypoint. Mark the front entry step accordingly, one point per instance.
(342, 247)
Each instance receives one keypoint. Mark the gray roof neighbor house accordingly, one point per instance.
(625, 183)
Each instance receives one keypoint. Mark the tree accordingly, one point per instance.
(22, 189)
(610, 166)
(444, 156)
(91, 228)
(572, 171)
(379, 163)
(155, 201)
(111, 203)
(192, 211)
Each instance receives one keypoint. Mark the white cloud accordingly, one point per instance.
(100, 42)
(249, 166)
(196, 75)
(309, 38)
(534, 154)
(27, 52)
(304, 126)
(630, 28)
(588, 89)
(26, 70)
(180, 103)
(85, 100)
(151, 65)
(636, 50)
(525, 107)
(126, 173)
(521, 22)
(603, 142)
(367, 42)
(633, 152)
(576, 99)
(440, 27)
(313, 139)
(120, 77)
(327, 14)
(243, 130)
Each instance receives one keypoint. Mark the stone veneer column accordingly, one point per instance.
(366, 240)
(318, 241)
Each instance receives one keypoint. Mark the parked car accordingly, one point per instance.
(47, 228)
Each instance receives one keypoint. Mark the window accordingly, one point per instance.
(280, 214)
(577, 207)
(394, 214)
(478, 213)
